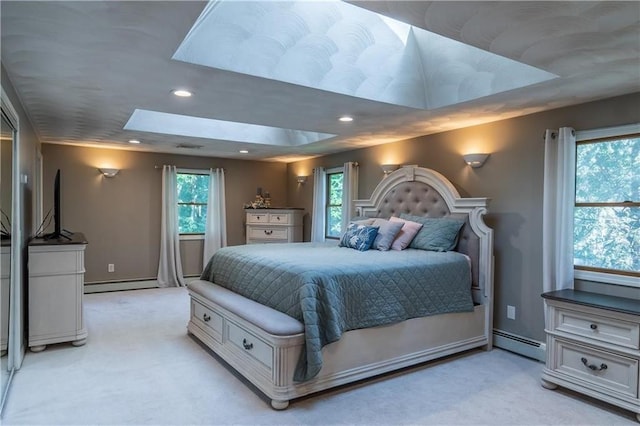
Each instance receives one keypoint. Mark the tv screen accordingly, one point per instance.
(57, 230)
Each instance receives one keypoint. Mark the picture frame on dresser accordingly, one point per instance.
(593, 346)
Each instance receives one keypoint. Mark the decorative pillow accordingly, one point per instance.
(406, 234)
(359, 237)
(437, 234)
(387, 232)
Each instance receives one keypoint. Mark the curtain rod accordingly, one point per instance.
(189, 168)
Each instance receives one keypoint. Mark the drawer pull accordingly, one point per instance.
(268, 231)
(206, 317)
(277, 217)
(593, 367)
(247, 346)
(594, 326)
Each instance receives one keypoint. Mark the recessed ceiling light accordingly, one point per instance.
(243, 151)
(182, 93)
(345, 118)
(134, 141)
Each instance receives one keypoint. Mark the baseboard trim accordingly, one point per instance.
(520, 345)
(119, 286)
(103, 287)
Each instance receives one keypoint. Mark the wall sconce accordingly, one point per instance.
(301, 179)
(475, 160)
(109, 172)
(388, 168)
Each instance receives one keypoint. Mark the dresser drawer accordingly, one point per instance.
(602, 329)
(257, 217)
(250, 345)
(599, 370)
(282, 218)
(265, 233)
(208, 320)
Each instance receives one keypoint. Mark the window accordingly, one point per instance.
(334, 203)
(193, 191)
(607, 208)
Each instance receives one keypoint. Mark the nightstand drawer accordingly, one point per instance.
(264, 233)
(598, 328)
(207, 320)
(250, 345)
(599, 370)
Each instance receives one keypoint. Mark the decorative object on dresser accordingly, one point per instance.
(56, 291)
(593, 346)
(277, 225)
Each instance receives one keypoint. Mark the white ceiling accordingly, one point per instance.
(83, 68)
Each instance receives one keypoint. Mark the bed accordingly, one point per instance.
(293, 324)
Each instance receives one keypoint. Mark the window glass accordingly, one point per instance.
(193, 190)
(334, 204)
(607, 208)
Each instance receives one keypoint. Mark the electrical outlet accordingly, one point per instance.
(111, 267)
(511, 312)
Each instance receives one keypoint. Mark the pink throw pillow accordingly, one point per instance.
(406, 234)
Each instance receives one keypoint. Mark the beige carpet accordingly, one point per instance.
(139, 366)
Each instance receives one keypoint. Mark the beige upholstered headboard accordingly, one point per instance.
(424, 192)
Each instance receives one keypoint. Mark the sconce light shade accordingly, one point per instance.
(301, 179)
(388, 168)
(109, 172)
(475, 160)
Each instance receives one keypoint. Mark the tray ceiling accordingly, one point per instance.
(274, 77)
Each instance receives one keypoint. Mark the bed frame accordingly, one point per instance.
(263, 345)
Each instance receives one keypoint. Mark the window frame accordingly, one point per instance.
(585, 273)
(329, 172)
(197, 235)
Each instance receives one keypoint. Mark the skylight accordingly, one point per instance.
(341, 48)
(197, 127)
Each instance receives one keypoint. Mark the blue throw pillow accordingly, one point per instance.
(436, 234)
(359, 237)
(387, 232)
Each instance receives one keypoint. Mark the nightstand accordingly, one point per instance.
(593, 346)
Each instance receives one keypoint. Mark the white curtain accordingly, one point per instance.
(215, 233)
(349, 192)
(557, 211)
(170, 265)
(319, 204)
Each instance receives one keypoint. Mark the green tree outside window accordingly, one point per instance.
(193, 191)
(334, 205)
(607, 206)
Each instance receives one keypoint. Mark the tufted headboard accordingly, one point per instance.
(424, 192)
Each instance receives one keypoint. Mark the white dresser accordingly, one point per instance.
(274, 225)
(593, 346)
(56, 291)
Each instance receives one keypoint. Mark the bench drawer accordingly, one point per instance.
(250, 345)
(207, 319)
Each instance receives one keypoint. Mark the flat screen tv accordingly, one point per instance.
(57, 223)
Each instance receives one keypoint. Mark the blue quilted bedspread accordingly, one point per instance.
(333, 289)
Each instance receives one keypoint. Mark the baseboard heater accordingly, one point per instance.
(520, 345)
(139, 284)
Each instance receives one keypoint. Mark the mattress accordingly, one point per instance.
(333, 289)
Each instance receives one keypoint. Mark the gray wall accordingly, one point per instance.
(120, 216)
(512, 178)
